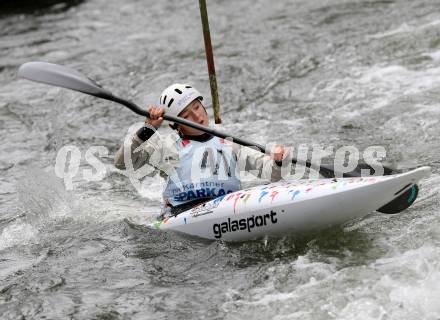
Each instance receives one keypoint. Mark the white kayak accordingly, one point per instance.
(291, 207)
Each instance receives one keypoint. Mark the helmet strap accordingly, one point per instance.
(175, 127)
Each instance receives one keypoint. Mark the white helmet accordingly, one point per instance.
(177, 97)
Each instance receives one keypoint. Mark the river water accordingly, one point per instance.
(336, 72)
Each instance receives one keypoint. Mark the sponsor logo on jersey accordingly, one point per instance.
(201, 193)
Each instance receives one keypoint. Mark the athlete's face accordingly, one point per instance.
(194, 112)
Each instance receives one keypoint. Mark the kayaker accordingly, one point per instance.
(198, 166)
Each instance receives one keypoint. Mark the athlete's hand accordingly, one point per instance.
(279, 152)
(156, 116)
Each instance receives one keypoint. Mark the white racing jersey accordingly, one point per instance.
(206, 170)
(194, 169)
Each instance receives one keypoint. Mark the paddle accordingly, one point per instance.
(61, 76)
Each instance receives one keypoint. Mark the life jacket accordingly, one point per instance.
(206, 170)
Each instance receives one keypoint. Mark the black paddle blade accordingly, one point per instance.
(401, 202)
(370, 171)
(328, 171)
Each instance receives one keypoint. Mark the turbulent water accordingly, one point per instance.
(336, 72)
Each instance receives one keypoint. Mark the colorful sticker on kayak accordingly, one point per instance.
(237, 196)
(242, 198)
(205, 208)
(294, 193)
(245, 197)
(200, 212)
(288, 190)
(273, 195)
(262, 194)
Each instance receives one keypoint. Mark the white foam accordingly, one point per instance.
(17, 234)
(397, 80)
(405, 28)
(434, 55)
(403, 285)
(421, 297)
(382, 84)
(412, 279)
(363, 309)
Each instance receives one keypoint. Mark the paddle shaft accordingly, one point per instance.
(60, 76)
(324, 170)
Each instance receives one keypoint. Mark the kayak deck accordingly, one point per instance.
(290, 206)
